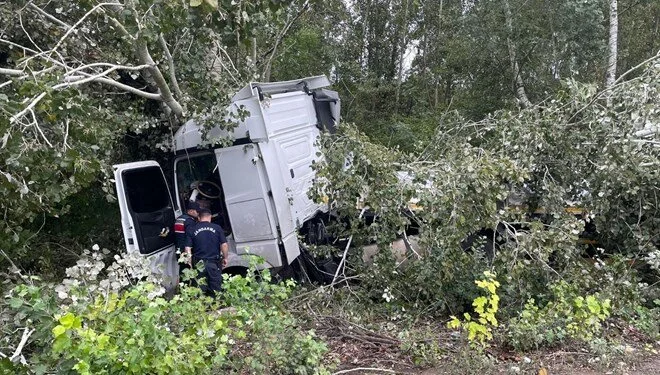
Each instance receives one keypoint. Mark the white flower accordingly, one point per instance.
(96, 247)
(387, 295)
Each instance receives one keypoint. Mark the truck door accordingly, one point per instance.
(250, 204)
(147, 213)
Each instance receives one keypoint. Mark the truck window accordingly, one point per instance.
(146, 190)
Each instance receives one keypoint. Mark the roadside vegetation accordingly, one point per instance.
(506, 192)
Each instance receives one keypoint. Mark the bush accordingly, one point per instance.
(480, 326)
(568, 316)
(103, 321)
(268, 340)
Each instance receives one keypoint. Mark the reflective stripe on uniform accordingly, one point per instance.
(179, 227)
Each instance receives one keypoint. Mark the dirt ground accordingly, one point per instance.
(358, 353)
(646, 366)
(432, 349)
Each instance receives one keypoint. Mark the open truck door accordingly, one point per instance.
(147, 215)
(261, 225)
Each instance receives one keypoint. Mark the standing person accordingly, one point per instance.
(182, 226)
(206, 242)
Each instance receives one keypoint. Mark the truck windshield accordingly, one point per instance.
(198, 179)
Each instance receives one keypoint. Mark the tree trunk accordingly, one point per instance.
(402, 52)
(438, 79)
(521, 95)
(610, 75)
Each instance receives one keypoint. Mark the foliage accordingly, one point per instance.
(480, 328)
(267, 338)
(103, 320)
(454, 196)
(439, 153)
(79, 78)
(531, 186)
(568, 316)
(138, 332)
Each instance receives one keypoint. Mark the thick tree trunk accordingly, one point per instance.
(610, 75)
(521, 95)
(402, 52)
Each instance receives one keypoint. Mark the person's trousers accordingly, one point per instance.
(212, 275)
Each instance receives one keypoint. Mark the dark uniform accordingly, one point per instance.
(205, 239)
(182, 226)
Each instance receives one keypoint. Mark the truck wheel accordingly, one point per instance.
(235, 270)
(320, 271)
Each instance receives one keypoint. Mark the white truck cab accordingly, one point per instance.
(256, 188)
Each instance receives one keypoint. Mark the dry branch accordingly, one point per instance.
(364, 369)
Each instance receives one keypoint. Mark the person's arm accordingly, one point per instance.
(224, 248)
(189, 255)
(188, 248)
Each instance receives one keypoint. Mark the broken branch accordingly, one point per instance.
(170, 63)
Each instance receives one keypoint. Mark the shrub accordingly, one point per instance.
(569, 315)
(480, 328)
(103, 321)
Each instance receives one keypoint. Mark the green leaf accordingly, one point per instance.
(67, 320)
(15, 303)
(58, 330)
(195, 3)
(61, 343)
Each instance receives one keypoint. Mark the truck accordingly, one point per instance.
(256, 186)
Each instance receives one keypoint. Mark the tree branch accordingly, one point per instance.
(362, 369)
(622, 76)
(76, 81)
(12, 72)
(19, 348)
(348, 245)
(49, 16)
(119, 85)
(75, 25)
(28, 108)
(71, 81)
(280, 37)
(112, 66)
(170, 62)
(610, 74)
(166, 95)
(515, 67)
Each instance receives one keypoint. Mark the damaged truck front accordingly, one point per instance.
(256, 187)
